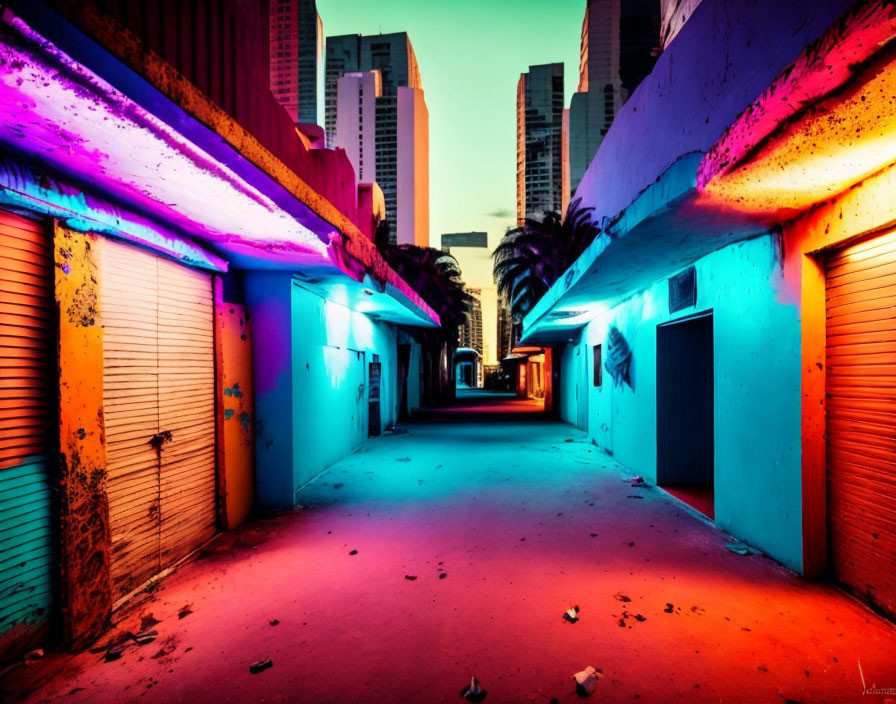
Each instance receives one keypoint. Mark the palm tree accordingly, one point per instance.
(530, 258)
(435, 276)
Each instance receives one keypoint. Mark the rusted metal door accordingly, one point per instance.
(158, 342)
(27, 422)
(861, 418)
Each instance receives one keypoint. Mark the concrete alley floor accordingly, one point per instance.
(453, 549)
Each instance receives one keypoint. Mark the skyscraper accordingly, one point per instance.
(593, 107)
(356, 121)
(540, 154)
(619, 47)
(402, 124)
(470, 333)
(296, 59)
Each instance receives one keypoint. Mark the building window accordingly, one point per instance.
(598, 373)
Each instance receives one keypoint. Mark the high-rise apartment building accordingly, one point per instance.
(356, 121)
(412, 168)
(540, 154)
(470, 333)
(619, 47)
(296, 49)
(402, 124)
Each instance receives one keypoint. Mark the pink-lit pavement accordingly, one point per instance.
(505, 520)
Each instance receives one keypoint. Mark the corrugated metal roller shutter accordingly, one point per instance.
(861, 418)
(129, 305)
(27, 421)
(158, 379)
(186, 408)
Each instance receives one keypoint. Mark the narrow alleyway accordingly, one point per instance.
(453, 549)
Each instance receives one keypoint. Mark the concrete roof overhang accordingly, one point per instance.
(666, 228)
(826, 122)
(105, 150)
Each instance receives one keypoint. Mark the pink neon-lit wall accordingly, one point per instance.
(222, 47)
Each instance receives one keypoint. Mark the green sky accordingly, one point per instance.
(471, 53)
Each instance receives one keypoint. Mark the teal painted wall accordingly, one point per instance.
(575, 380)
(332, 348)
(311, 359)
(26, 553)
(757, 393)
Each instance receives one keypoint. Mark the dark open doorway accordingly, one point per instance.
(685, 411)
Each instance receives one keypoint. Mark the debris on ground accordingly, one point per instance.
(402, 459)
(473, 692)
(569, 440)
(742, 548)
(145, 638)
(260, 666)
(586, 681)
(670, 608)
(33, 655)
(410, 577)
(572, 615)
(184, 611)
(640, 618)
(113, 652)
(638, 481)
(274, 621)
(622, 597)
(147, 622)
(634, 496)
(443, 575)
(353, 552)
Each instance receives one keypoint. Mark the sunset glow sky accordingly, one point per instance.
(471, 53)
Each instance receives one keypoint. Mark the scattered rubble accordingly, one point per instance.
(572, 614)
(473, 692)
(260, 666)
(586, 681)
(742, 548)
